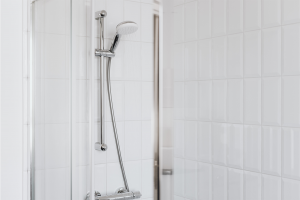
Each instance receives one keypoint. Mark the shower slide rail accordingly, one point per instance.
(123, 28)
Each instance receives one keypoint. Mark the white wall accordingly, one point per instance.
(12, 29)
(236, 99)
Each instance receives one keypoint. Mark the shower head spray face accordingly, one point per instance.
(124, 28)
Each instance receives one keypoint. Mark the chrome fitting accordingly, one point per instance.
(104, 53)
(121, 196)
(100, 14)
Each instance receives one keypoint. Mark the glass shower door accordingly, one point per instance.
(65, 117)
(59, 100)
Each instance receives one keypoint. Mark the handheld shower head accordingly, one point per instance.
(127, 27)
(124, 28)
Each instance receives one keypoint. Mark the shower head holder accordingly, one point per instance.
(105, 53)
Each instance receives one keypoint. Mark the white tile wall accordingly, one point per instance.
(247, 97)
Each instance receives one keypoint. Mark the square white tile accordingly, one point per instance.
(190, 61)
(56, 101)
(133, 100)
(235, 184)
(147, 23)
(190, 21)
(271, 52)
(218, 57)
(271, 101)
(252, 15)
(133, 148)
(204, 174)
(271, 13)
(101, 171)
(55, 184)
(178, 62)
(219, 97)
(271, 150)
(252, 101)
(290, 189)
(204, 100)
(178, 138)
(190, 179)
(219, 141)
(56, 146)
(179, 177)
(147, 61)
(55, 23)
(271, 187)
(234, 16)
(132, 61)
(190, 100)
(132, 12)
(218, 17)
(134, 174)
(147, 140)
(290, 101)
(178, 24)
(204, 19)
(252, 54)
(113, 177)
(147, 100)
(235, 146)
(219, 180)
(179, 100)
(203, 59)
(204, 141)
(252, 148)
(252, 186)
(235, 55)
(290, 12)
(290, 49)
(147, 178)
(234, 101)
(190, 140)
(55, 56)
(290, 158)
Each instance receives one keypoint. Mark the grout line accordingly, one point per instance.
(241, 169)
(234, 78)
(235, 33)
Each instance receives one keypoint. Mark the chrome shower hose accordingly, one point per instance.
(114, 122)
